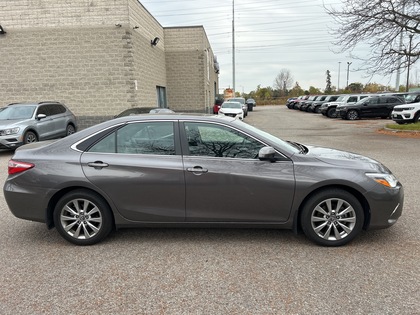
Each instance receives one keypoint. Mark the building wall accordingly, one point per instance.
(190, 69)
(149, 61)
(96, 57)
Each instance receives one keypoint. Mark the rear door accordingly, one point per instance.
(225, 180)
(138, 167)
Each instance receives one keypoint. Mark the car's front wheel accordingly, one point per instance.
(332, 113)
(332, 217)
(352, 115)
(83, 217)
(29, 137)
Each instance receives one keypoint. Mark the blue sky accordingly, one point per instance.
(269, 35)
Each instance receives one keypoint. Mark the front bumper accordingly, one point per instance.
(10, 142)
(386, 208)
(402, 117)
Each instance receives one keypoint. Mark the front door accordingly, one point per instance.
(226, 182)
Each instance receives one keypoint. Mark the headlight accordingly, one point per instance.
(387, 180)
(408, 108)
(10, 131)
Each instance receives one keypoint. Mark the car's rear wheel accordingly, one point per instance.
(83, 217)
(352, 114)
(70, 130)
(332, 217)
(332, 113)
(30, 137)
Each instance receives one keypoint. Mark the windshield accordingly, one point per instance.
(240, 100)
(340, 98)
(17, 112)
(411, 98)
(232, 105)
(281, 144)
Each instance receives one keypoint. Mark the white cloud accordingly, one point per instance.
(269, 35)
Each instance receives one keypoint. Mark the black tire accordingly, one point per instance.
(331, 113)
(317, 109)
(70, 130)
(417, 117)
(30, 137)
(332, 217)
(352, 114)
(83, 217)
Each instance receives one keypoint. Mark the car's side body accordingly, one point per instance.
(42, 121)
(373, 106)
(175, 178)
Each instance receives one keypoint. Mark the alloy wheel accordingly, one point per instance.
(333, 219)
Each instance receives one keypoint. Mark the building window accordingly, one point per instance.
(161, 97)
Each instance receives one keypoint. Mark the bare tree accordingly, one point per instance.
(390, 27)
(283, 81)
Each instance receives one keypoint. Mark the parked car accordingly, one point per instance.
(232, 109)
(144, 110)
(243, 103)
(250, 102)
(298, 103)
(304, 106)
(407, 113)
(289, 101)
(22, 123)
(329, 109)
(170, 170)
(217, 103)
(370, 107)
(316, 105)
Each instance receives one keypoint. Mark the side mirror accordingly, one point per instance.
(267, 154)
(40, 116)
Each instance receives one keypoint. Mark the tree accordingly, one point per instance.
(264, 93)
(297, 90)
(313, 90)
(283, 81)
(328, 89)
(355, 87)
(382, 24)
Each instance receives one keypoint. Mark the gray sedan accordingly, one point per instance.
(170, 170)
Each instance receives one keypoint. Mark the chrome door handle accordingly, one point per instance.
(97, 165)
(197, 170)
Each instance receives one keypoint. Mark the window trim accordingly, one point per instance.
(186, 150)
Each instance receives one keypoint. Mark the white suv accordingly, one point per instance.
(406, 113)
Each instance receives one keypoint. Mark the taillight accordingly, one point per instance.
(18, 167)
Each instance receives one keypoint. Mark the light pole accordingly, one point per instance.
(338, 84)
(408, 65)
(233, 46)
(348, 67)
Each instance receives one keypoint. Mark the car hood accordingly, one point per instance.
(345, 159)
(231, 110)
(7, 123)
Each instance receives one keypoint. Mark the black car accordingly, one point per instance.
(250, 102)
(370, 107)
(304, 106)
(315, 107)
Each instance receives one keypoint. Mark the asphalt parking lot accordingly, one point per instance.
(214, 271)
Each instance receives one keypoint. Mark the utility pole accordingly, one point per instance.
(408, 65)
(348, 68)
(233, 47)
(338, 85)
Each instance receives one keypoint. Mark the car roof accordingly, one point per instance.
(34, 103)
